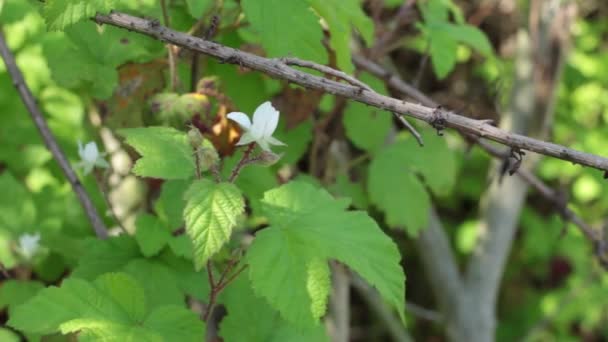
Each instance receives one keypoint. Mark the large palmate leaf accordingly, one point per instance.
(288, 260)
(112, 308)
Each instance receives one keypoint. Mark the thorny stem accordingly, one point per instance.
(244, 161)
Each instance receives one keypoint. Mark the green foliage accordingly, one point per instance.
(341, 16)
(113, 305)
(15, 292)
(60, 14)
(309, 227)
(151, 234)
(210, 214)
(264, 323)
(165, 152)
(197, 8)
(292, 21)
(365, 126)
(443, 37)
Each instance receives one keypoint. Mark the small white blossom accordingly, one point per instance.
(265, 120)
(90, 157)
(28, 244)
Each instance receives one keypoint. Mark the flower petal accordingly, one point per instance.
(91, 152)
(264, 145)
(246, 138)
(265, 119)
(240, 118)
(275, 141)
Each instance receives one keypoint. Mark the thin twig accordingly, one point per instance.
(326, 70)
(277, 69)
(171, 55)
(410, 128)
(49, 140)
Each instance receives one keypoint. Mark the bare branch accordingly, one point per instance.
(326, 70)
(410, 128)
(278, 69)
(49, 139)
(549, 194)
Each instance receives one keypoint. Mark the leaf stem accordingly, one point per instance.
(216, 288)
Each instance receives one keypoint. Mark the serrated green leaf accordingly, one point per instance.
(111, 308)
(471, 36)
(308, 224)
(150, 234)
(300, 32)
(210, 214)
(165, 152)
(60, 14)
(341, 16)
(264, 323)
(366, 127)
(395, 190)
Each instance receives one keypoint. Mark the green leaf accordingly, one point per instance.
(210, 214)
(395, 190)
(60, 14)
(15, 292)
(156, 279)
(111, 308)
(343, 187)
(341, 16)
(297, 139)
(436, 162)
(264, 324)
(103, 256)
(197, 8)
(7, 335)
(443, 52)
(309, 227)
(16, 204)
(471, 36)
(165, 152)
(365, 126)
(318, 285)
(150, 234)
(170, 204)
(299, 31)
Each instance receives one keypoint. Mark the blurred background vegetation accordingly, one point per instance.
(89, 83)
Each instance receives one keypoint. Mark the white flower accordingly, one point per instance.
(265, 120)
(90, 157)
(28, 244)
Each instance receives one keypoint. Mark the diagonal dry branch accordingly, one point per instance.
(438, 117)
(552, 196)
(49, 139)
